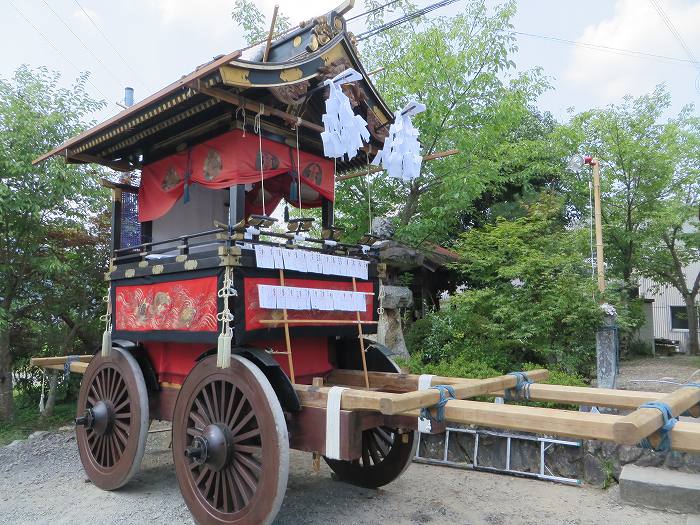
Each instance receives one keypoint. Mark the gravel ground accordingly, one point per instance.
(42, 481)
(677, 368)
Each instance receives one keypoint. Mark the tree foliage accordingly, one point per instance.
(45, 216)
(527, 296)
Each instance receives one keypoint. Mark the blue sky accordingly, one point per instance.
(164, 39)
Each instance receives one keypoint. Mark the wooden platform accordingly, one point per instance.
(397, 395)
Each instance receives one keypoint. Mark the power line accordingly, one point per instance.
(114, 48)
(83, 44)
(70, 62)
(374, 10)
(616, 50)
(674, 31)
(403, 19)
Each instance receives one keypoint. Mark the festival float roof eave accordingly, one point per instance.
(208, 101)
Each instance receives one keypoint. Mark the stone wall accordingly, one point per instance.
(594, 462)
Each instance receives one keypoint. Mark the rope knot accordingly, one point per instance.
(446, 393)
(521, 390)
(669, 423)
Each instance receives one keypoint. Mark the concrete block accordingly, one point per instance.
(660, 489)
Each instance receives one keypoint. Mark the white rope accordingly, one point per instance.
(333, 422)
(107, 318)
(242, 109)
(223, 352)
(257, 129)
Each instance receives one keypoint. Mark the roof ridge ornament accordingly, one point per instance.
(344, 131)
(400, 156)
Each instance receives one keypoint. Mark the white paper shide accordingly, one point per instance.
(344, 131)
(401, 156)
(298, 298)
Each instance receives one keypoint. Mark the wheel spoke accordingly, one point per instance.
(242, 492)
(202, 411)
(247, 435)
(110, 382)
(231, 403)
(222, 402)
(253, 465)
(250, 415)
(202, 474)
(98, 385)
(233, 491)
(248, 449)
(373, 449)
(217, 481)
(247, 477)
(124, 427)
(119, 407)
(199, 420)
(209, 410)
(122, 438)
(384, 436)
(365, 451)
(241, 403)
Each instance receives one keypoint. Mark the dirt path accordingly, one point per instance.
(42, 481)
(677, 368)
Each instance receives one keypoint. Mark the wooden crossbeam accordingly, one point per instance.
(641, 423)
(44, 361)
(426, 398)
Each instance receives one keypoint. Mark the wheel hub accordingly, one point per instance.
(98, 418)
(214, 447)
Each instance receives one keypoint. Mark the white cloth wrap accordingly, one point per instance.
(333, 422)
(425, 381)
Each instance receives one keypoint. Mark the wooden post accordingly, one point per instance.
(362, 338)
(270, 34)
(600, 262)
(287, 340)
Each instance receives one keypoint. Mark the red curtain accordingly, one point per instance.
(231, 159)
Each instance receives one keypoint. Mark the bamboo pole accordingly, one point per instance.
(600, 261)
(269, 35)
(362, 338)
(377, 169)
(287, 340)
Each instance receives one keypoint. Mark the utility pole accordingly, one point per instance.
(600, 262)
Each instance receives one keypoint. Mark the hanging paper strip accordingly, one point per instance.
(344, 131)
(401, 156)
(298, 298)
(279, 258)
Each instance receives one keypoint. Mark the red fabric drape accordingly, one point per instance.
(232, 159)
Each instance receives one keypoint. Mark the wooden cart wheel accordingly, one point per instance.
(385, 454)
(112, 423)
(230, 444)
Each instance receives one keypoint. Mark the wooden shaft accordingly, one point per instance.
(362, 338)
(287, 340)
(427, 398)
(77, 367)
(269, 35)
(314, 321)
(237, 100)
(600, 261)
(44, 361)
(643, 422)
(377, 169)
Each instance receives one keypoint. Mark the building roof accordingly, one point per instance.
(230, 90)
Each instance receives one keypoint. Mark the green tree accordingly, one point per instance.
(461, 68)
(37, 203)
(649, 189)
(250, 19)
(671, 247)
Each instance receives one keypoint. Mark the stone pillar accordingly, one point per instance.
(389, 330)
(607, 345)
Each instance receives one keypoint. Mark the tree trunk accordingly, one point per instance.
(692, 313)
(7, 407)
(51, 399)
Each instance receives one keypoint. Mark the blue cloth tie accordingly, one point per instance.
(669, 423)
(446, 393)
(521, 390)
